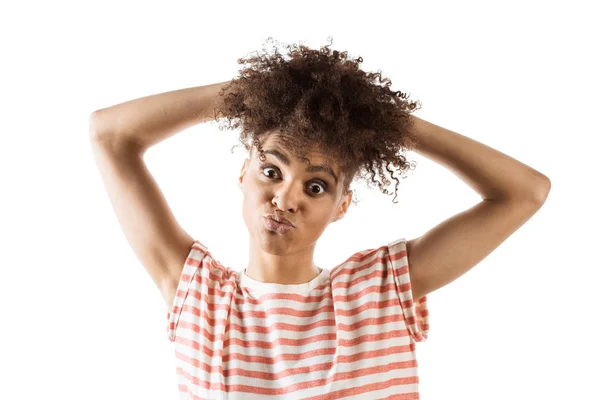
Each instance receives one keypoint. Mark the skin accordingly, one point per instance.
(286, 191)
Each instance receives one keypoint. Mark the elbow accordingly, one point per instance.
(97, 130)
(99, 123)
(93, 125)
(542, 190)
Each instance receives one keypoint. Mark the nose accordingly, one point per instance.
(286, 197)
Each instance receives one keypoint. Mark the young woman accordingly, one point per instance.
(285, 328)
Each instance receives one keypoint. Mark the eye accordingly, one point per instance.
(264, 167)
(317, 183)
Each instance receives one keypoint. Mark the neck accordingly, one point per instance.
(285, 269)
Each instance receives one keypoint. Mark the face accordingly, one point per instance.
(310, 200)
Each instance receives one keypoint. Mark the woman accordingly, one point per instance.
(313, 122)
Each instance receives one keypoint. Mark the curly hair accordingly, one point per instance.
(318, 99)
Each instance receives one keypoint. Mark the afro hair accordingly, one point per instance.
(321, 100)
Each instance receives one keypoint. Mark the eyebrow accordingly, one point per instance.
(311, 168)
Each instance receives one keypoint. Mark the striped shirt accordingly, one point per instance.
(349, 333)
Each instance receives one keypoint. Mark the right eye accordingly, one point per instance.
(267, 167)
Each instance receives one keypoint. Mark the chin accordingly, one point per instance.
(277, 248)
(273, 242)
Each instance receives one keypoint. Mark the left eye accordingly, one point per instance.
(324, 189)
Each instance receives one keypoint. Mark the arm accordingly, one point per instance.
(492, 174)
(149, 120)
(119, 136)
(512, 193)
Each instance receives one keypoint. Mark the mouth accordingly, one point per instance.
(280, 220)
(276, 226)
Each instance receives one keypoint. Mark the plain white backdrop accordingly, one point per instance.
(81, 318)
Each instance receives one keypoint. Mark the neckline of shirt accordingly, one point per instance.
(265, 287)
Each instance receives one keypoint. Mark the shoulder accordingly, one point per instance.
(192, 265)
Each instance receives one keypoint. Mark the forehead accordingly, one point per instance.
(281, 143)
(312, 157)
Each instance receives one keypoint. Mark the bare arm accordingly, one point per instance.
(491, 173)
(149, 120)
(511, 191)
(119, 136)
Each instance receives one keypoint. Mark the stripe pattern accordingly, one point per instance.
(349, 333)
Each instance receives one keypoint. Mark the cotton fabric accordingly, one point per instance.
(349, 333)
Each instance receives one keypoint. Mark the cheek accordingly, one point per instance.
(252, 205)
(320, 217)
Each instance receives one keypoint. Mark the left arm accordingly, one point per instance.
(511, 192)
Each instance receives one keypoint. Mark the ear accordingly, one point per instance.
(243, 172)
(343, 207)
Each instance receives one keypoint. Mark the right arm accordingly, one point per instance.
(149, 120)
(119, 137)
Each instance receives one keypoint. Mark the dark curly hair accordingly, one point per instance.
(318, 99)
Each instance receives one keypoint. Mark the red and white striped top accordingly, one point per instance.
(349, 333)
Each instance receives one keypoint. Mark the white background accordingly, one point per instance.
(81, 319)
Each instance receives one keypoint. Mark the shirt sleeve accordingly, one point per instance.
(194, 265)
(416, 313)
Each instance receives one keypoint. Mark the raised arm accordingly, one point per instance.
(149, 120)
(511, 192)
(119, 136)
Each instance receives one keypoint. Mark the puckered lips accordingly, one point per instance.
(282, 226)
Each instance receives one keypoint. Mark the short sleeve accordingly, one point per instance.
(193, 265)
(416, 313)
